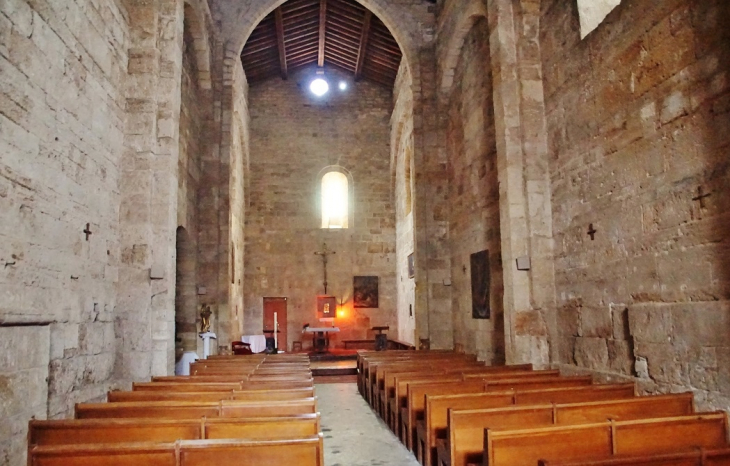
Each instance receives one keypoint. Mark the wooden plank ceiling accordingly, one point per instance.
(339, 33)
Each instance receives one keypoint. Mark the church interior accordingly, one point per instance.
(537, 183)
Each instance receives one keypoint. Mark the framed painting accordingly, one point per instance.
(365, 292)
(480, 285)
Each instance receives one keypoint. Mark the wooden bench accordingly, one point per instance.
(184, 386)
(697, 457)
(368, 358)
(244, 395)
(85, 431)
(604, 440)
(551, 395)
(192, 409)
(459, 433)
(416, 393)
(431, 363)
(306, 451)
(393, 396)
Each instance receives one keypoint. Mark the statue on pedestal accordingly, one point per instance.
(205, 319)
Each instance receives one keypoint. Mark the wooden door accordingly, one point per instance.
(278, 305)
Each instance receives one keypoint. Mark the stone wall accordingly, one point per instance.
(24, 358)
(294, 136)
(474, 197)
(403, 170)
(193, 144)
(61, 130)
(637, 119)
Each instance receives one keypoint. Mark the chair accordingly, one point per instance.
(240, 347)
(296, 346)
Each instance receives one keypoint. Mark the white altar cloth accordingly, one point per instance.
(257, 342)
(321, 329)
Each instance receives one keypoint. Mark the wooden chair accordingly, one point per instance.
(241, 348)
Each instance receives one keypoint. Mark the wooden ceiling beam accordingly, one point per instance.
(322, 31)
(280, 43)
(363, 45)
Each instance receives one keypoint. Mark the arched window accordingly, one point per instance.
(335, 191)
(593, 12)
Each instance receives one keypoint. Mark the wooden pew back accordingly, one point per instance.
(465, 427)
(302, 452)
(604, 440)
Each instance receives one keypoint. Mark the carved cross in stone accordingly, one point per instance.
(324, 253)
(701, 196)
(592, 232)
(87, 232)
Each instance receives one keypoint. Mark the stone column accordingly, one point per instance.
(526, 217)
(144, 322)
(430, 221)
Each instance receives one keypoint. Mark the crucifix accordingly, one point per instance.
(701, 196)
(324, 253)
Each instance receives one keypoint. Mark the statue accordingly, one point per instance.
(205, 319)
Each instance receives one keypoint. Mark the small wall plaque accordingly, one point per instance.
(523, 263)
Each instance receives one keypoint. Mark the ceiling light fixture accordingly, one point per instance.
(319, 87)
(343, 85)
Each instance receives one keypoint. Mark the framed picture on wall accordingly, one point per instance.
(411, 266)
(365, 292)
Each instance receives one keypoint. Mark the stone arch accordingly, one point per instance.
(394, 17)
(197, 19)
(463, 23)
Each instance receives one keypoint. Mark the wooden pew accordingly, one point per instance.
(414, 357)
(183, 386)
(605, 439)
(459, 433)
(306, 451)
(192, 409)
(86, 431)
(697, 457)
(396, 386)
(557, 395)
(244, 395)
(416, 393)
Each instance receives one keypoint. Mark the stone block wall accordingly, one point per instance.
(61, 130)
(474, 196)
(403, 176)
(638, 120)
(194, 117)
(294, 136)
(62, 119)
(24, 358)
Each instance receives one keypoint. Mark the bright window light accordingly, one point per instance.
(335, 200)
(319, 87)
(343, 86)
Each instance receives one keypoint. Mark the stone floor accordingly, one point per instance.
(353, 434)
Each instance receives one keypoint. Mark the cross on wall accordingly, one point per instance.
(87, 231)
(701, 196)
(592, 232)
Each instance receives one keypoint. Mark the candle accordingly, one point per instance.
(276, 333)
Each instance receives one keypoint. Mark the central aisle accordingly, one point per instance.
(353, 434)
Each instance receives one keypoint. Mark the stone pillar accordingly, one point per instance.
(148, 187)
(430, 221)
(526, 216)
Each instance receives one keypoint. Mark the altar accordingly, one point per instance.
(321, 337)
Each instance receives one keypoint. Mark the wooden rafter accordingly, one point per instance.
(363, 44)
(280, 42)
(322, 31)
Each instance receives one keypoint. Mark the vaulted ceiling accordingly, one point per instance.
(339, 33)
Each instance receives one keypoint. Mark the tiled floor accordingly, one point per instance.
(353, 434)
